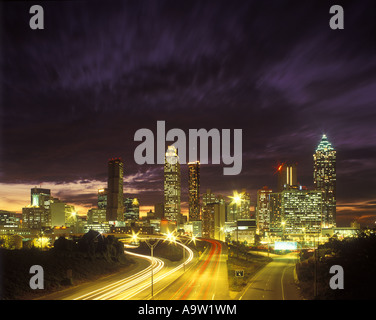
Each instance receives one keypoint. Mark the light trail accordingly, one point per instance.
(135, 291)
(120, 286)
(129, 287)
(207, 266)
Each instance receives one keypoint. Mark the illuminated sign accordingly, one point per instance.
(285, 245)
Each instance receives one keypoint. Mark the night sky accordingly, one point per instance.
(73, 95)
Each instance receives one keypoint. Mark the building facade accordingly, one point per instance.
(287, 176)
(172, 189)
(301, 211)
(194, 190)
(213, 221)
(132, 209)
(263, 209)
(102, 198)
(115, 206)
(324, 178)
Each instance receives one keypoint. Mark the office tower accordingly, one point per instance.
(70, 216)
(301, 211)
(213, 221)
(57, 208)
(172, 184)
(115, 206)
(36, 217)
(159, 210)
(324, 177)
(194, 190)
(102, 198)
(275, 209)
(132, 209)
(96, 216)
(263, 209)
(40, 197)
(209, 197)
(287, 176)
(62, 214)
(239, 207)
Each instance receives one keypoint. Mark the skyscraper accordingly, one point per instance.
(194, 190)
(213, 221)
(209, 197)
(324, 178)
(40, 197)
(263, 209)
(102, 198)
(114, 210)
(287, 176)
(301, 211)
(239, 207)
(132, 209)
(172, 184)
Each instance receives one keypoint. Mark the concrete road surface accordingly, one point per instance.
(206, 280)
(274, 282)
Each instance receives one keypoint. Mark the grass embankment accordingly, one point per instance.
(241, 260)
(88, 259)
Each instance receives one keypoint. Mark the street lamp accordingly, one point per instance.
(173, 239)
(152, 246)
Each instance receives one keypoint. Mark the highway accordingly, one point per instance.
(207, 279)
(135, 283)
(273, 282)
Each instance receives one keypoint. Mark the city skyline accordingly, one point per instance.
(74, 96)
(185, 192)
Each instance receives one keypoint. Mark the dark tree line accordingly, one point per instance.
(93, 245)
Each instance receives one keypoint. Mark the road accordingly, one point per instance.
(207, 279)
(204, 278)
(134, 283)
(274, 282)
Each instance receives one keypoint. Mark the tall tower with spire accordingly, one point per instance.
(324, 178)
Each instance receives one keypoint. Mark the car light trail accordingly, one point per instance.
(120, 286)
(131, 286)
(132, 293)
(208, 266)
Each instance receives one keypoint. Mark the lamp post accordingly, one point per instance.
(152, 246)
(172, 238)
(186, 242)
(237, 200)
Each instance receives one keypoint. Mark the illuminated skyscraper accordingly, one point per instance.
(102, 198)
(287, 176)
(324, 177)
(194, 190)
(275, 203)
(40, 197)
(36, 217)
(172, 184)
(209, 197)
(263, 209)
(301, 211)
(213, 221)
(114, 210)
(239, 207)
(132, 209)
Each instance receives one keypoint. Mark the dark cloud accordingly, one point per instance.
(73, 95)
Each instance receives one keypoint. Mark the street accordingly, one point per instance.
(273, 282)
